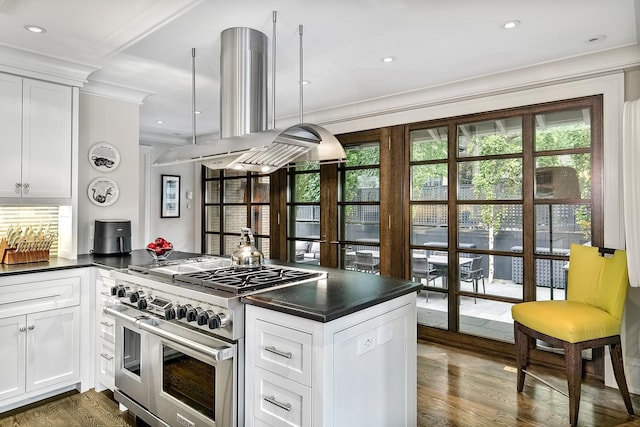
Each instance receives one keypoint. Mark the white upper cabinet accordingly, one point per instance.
(36, 118)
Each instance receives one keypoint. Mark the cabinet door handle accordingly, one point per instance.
(106, 356)
(22, 329)
(25, 187)
(31, 327)
(274, 350)
(107, 324)
(18, 187)
(273, 401)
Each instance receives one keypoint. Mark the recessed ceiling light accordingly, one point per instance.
(35, 29)
(510, 25)
(388, 59)
(595, 39)
(159, 122)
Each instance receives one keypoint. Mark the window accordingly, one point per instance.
(232, 200)
(522, 194)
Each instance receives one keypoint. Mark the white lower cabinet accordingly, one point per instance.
(105, 331)
(357, 370)
(41, 334)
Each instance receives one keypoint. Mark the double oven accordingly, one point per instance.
(180, 338)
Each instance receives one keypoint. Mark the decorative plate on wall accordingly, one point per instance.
(104, 157)
(103, 191)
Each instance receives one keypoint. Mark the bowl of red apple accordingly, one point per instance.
(160, 249)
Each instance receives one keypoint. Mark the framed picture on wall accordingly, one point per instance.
(170, 198)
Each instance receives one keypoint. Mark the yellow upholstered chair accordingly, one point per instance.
(590, 317)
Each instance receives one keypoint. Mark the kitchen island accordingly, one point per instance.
(339, 351)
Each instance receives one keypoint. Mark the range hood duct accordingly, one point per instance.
(245, 142)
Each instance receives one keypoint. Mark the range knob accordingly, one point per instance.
(170, 313)
(114, 290)
(203, 317)
(121, 292)
(214, 322)
(181, 311)
(134, 297)
(218, 320)
(192, 314)
(142, 304)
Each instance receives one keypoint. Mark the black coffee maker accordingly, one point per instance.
(111, 237)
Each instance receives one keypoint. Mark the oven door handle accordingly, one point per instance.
(218, 354)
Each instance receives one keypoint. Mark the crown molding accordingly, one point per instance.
(114, 91)
(35, 65)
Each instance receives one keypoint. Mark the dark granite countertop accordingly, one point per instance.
(342, 293)
(138, 256)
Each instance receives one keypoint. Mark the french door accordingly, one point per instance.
(338, 214)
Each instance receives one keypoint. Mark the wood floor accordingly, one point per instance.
(455, 388)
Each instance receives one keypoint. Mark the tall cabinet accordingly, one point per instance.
(36, 123)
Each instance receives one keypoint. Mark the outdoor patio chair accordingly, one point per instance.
(473, 273)
(364, 262)
(420, 269)
(590, 317)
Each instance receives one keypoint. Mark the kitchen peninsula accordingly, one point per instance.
(344, 332)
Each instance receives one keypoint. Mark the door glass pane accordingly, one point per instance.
(361, 222)
(235, 190)
(189, 380)
(212, 244)
(361, 185)
(563, 129)
(429, 182)
(495, 322)
(558, 226)
(493, 227)
(429, 144)
(363, 154)
(567, 176)
(306, 188)
(235, 218)
(366, 258)
(499, 179)
(305, 221)
(492, 137)
(491, 275)
(212, 218)
(428, 224)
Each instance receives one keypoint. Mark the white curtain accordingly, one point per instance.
(631, 179)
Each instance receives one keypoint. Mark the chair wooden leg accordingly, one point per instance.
(618, 370)
(522, 355)
(573, 361)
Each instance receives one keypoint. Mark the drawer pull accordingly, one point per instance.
(106, 356)
(273, 401)
(274, 350)
(107, 324)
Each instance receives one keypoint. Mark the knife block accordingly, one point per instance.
(12, 256)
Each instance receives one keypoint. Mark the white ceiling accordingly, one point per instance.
(146, 45)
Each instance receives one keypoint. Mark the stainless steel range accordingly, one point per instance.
(180, 337)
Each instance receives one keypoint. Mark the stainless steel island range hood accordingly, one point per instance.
(244, 142)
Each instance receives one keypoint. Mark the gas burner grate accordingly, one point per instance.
(242, 281)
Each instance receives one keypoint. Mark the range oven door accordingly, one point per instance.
(181, 376)
(132, 368)
(192, 386)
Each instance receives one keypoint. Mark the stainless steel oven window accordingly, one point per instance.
(189, 380)
(131, 357)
